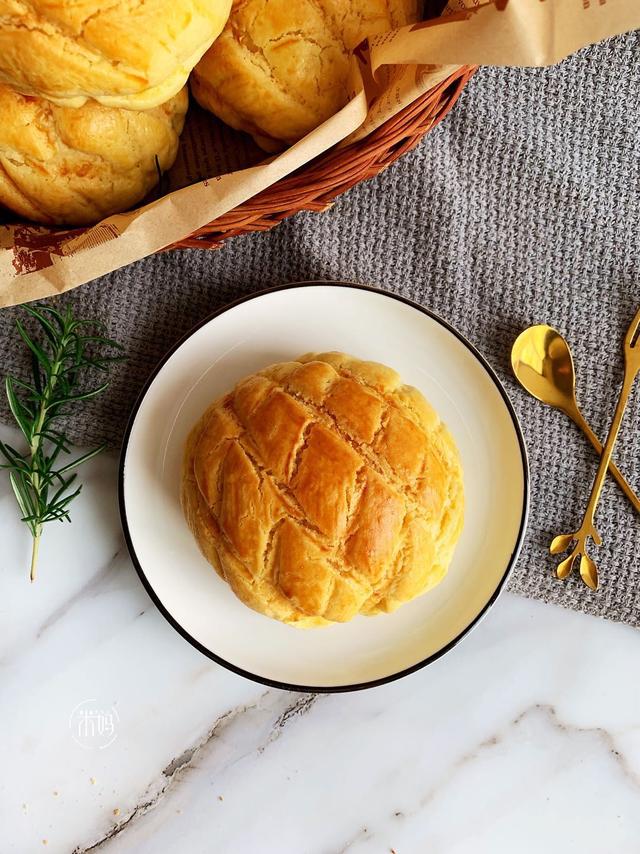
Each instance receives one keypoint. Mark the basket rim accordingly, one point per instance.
(316, 185)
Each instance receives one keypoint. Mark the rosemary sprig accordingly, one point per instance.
(44, 489)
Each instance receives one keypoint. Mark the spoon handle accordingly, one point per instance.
(588, 522)
(582, 423)
(588, 570)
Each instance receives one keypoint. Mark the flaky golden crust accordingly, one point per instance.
(323, 488)
(128, 53)
(67, 166)
(282, 67)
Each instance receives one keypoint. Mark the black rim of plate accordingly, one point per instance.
(322, 689)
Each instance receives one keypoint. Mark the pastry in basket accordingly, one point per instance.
(281, 67)
(74, 166)
(122, 54)
(324, 488)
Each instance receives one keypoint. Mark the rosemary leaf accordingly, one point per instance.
(18, 410)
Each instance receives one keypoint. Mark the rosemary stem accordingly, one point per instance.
(46, 398)
(34, 552)
(34, 448)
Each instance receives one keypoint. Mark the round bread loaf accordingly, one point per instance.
(66, 166)
(282, 67)
(324, 488)
(123, 54)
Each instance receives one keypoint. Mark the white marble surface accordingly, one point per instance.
(525, 738)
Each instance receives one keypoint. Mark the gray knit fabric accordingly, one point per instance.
(523, 206)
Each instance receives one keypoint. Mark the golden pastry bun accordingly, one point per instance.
(281, 67)
(136, 55)
(324, 488)
(66, 166)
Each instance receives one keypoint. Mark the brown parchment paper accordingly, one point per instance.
(217, 168)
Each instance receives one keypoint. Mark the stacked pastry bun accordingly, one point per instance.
(93, 100)
(93, 96)
(282, 67)
(76, 165)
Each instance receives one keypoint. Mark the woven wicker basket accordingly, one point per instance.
(319, 183)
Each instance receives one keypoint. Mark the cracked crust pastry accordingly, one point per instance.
(282, 67)
(66, 166)
(324, 488)
(128, 53)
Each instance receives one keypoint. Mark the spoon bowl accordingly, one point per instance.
(542, 362)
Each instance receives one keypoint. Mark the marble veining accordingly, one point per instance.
(178, 767)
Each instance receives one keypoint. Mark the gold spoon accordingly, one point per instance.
(541, 360)
(588, 570)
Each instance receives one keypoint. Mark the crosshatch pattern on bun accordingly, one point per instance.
(128, 53)
(324, 488)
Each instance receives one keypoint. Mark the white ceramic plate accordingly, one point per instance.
(275, 326)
